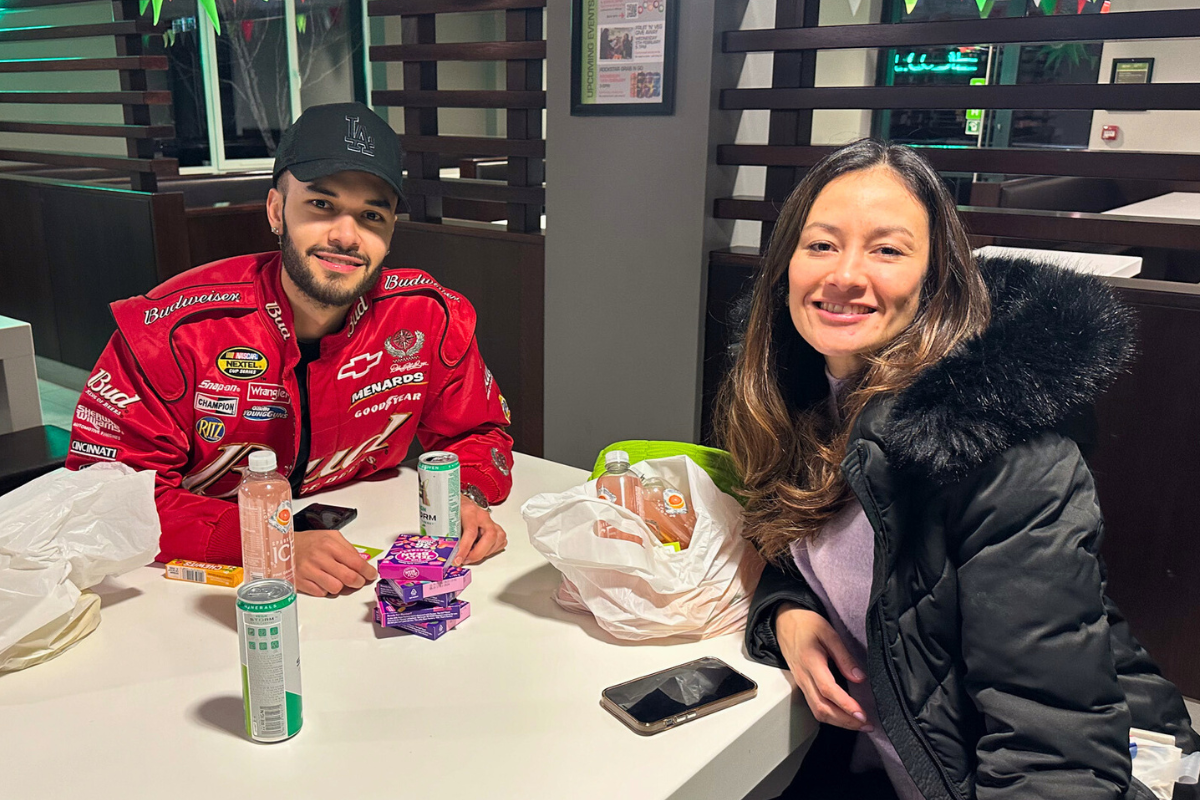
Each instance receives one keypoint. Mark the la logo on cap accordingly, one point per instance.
(357, 140)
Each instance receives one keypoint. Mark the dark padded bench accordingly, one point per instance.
(28, 454)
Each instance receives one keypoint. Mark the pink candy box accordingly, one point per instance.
(418, 558)
(457, 579)
(435, 629)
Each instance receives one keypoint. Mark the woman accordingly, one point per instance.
(935, 587)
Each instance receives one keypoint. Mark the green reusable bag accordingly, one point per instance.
(717, 463)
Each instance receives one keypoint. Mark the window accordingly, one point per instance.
(236, 91)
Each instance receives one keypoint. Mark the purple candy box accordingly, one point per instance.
(457, 579)
(391, 613)
(418, 558)
(435, 629)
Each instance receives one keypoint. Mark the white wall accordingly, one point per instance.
(92, 47)
(1175, 61)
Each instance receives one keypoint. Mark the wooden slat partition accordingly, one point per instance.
(999, 30)
(523, 99)
(1116, 97)
(131, 64)
(1083, 163)
(792, 98)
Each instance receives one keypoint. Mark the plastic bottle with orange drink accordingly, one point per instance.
(265, 510)
(666, 510)
(621, 486)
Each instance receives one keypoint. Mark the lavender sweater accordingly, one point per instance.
(838, 566)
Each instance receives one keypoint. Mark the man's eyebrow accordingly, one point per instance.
(376, 202)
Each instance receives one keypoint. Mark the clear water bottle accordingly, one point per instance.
(265, 509)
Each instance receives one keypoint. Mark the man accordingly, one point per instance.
(316, 352)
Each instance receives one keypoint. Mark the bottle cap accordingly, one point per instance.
(616, 457)
(263, 461)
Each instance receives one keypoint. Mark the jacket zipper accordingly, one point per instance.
(893, 680)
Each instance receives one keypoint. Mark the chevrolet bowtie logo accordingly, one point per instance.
(360, 365)
(357, 140)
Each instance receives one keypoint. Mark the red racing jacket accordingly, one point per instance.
(200, 374)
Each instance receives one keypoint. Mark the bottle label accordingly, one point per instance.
(674, 502)
(281, 517)
(605, 493)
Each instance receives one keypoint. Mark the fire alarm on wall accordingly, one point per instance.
(1109, 133)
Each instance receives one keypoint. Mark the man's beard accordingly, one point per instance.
(323, 293)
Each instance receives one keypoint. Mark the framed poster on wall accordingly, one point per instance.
(623, 57)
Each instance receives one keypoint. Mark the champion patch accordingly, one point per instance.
(242, 363)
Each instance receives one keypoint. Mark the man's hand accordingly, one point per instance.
(809, 643)
(481, 536)
(326, 564)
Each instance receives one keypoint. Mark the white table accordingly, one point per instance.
(1173, 205)
(1114, 266)
(505, 706)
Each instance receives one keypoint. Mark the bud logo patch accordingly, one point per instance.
(242, 363)
(210, 429)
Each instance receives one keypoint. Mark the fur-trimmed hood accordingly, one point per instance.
(1056, 340)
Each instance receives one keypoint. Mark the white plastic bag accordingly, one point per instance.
(60, 534)
(1159, 764)
(649, 591)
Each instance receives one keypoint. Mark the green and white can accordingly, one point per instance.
(438, 482)
(269, 638)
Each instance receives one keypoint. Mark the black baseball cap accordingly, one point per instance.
(341, 137)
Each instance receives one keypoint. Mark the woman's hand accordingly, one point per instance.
(808, 643)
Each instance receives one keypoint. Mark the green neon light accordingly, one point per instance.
(956, 63)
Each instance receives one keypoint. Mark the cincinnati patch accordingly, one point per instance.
(372, 389)
(211, 404)
(242, 363)
(89, 450)
(210, 429)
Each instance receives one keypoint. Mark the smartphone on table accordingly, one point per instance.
(677, 695)
(321, 517)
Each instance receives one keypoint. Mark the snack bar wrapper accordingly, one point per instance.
(457, 579)
(432, 630)
(391, 613)
(418, 558)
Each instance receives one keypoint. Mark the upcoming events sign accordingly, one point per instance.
(624, 56)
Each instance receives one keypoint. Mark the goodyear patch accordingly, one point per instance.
(210, 429)
(242, 363)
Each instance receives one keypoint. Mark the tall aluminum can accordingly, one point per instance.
(438, 480)
(269, 639)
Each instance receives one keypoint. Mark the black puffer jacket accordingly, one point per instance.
(999, 666)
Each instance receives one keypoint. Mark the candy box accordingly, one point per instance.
(384, 591)
(435, 629)
(391, 613)
(457, 579)
(418, 558)
(202, 572)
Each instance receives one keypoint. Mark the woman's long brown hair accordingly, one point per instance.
(790, 457)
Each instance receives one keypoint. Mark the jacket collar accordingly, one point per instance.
(1056, 340)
